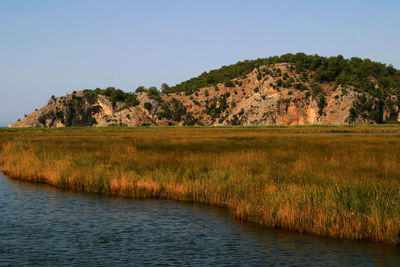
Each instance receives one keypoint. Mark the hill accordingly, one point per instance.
(293, 89)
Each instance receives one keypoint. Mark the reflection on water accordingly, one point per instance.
(40, 225)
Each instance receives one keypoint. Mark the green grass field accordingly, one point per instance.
(304, 179)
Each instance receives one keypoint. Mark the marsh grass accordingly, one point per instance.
(294, 178)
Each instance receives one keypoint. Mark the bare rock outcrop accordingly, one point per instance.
(269, 95)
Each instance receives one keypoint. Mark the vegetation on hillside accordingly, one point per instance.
(376, 87)
(75, 112)
(115, 95)
(360, 73)
(375, 83)
(308, 183)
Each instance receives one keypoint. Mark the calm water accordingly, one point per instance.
(40, 225)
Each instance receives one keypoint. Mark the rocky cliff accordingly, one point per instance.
(273, 94)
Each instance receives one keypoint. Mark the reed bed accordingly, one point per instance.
(294, 178)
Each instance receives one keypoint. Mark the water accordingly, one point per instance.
(43, 226)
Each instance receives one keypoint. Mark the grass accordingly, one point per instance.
(294, 178)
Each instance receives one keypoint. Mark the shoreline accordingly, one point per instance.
(221, 205)
(242, 172)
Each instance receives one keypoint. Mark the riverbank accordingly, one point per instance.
(343, 186)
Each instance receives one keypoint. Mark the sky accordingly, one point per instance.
(53, 47)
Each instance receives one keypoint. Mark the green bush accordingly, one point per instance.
(285, 76)
(147, 106)
(154, 94)
(190, 120)
(316, 90)
(229, 84)
(321, 105)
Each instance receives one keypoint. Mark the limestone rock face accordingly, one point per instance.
(269, 95)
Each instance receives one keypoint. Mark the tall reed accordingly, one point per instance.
(345, 186)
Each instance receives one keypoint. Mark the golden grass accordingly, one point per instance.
(344, 186)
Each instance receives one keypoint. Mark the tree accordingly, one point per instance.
(164, 87)
(140, 89)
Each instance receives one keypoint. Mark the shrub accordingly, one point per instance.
(214, 111)
(154, 94)
(221, 120)
(285, 76)
(90, 96)
(321, 105)
(304, 77)
(147, 106)
(229, 84)
(179, 109)
(316, 90)
(300, 86)
(42, 120)
(140, 89)
(92, 121)
(190, 120)
(59, 114)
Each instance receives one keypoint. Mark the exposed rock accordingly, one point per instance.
(260, 98)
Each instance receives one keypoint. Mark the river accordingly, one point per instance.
(44, 226)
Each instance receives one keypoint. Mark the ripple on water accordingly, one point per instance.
(40, 225)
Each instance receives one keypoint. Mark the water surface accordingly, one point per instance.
(43, 226)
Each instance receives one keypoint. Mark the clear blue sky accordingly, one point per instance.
(53, 47)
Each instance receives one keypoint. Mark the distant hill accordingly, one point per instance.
(293, 89)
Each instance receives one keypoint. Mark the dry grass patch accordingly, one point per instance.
(345, 186)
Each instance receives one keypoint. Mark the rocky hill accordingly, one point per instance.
(287, 90)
